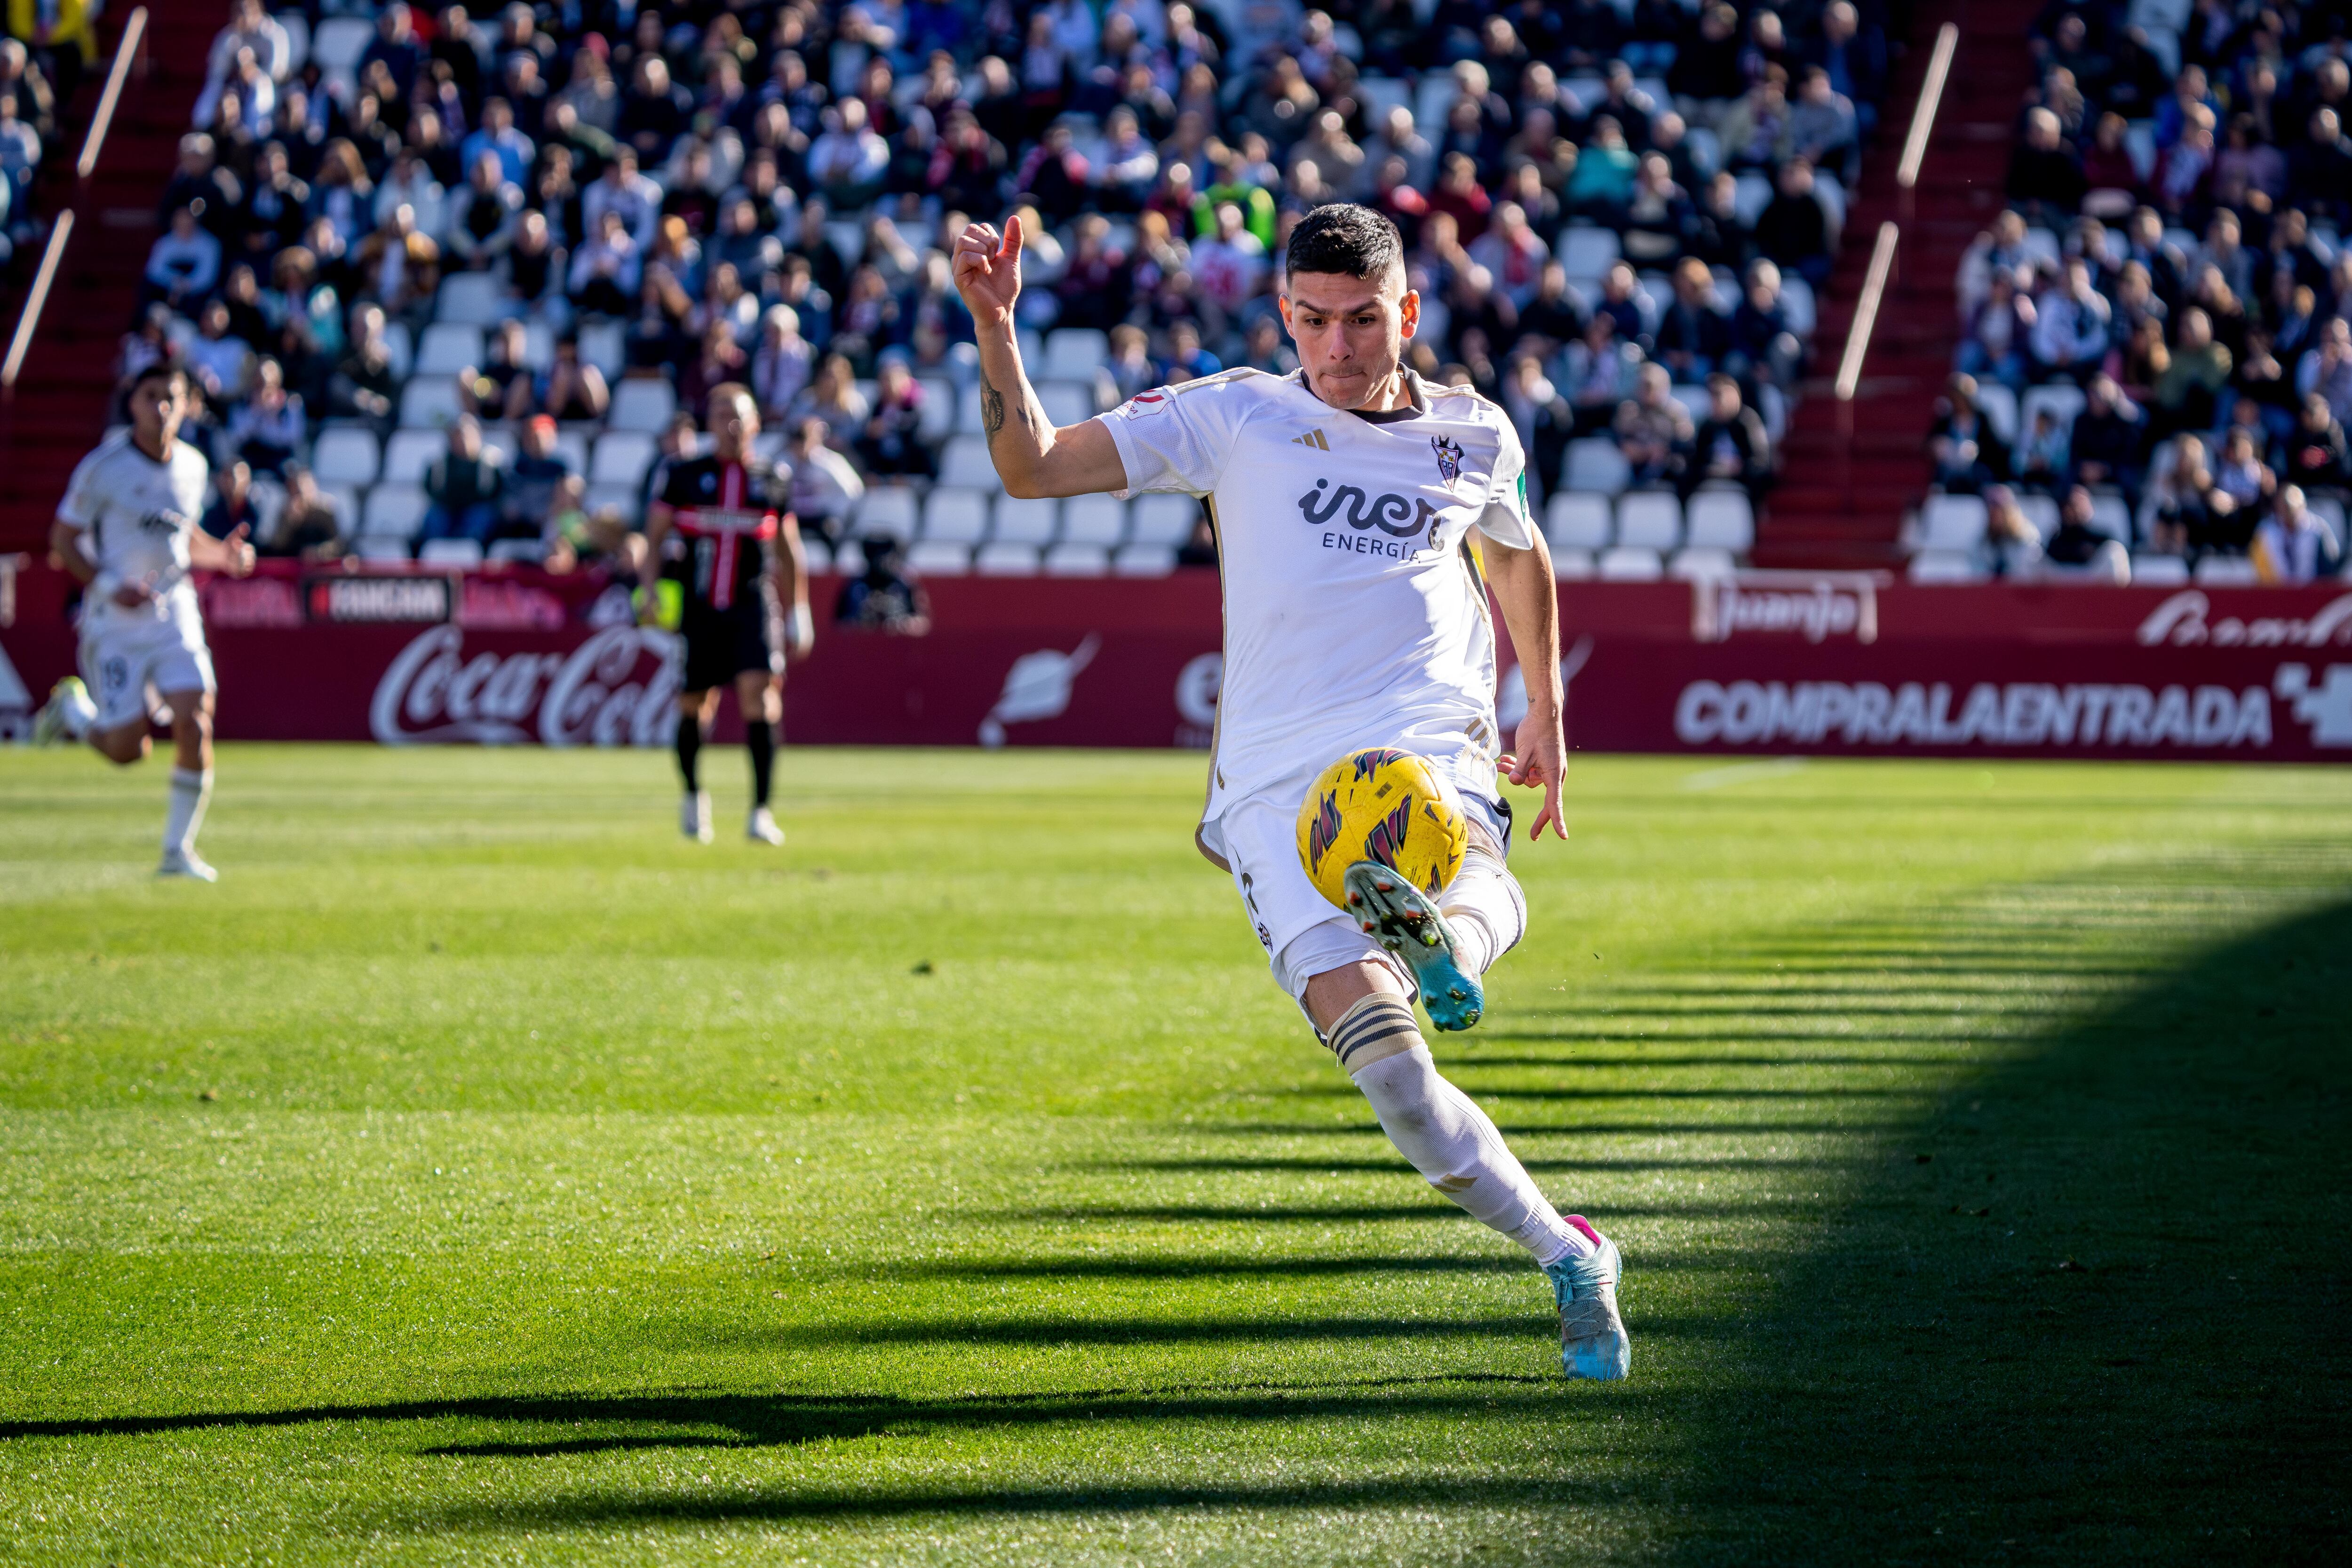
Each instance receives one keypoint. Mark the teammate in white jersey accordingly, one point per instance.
(1344, 496)
(127, 530)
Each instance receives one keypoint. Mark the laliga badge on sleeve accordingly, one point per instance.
(1144, 402)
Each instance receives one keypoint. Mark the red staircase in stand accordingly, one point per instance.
(1851, 469)
(59, 407)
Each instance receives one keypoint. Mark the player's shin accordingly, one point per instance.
(1485, 908)
(1441, 1130)
(690, 749)
(192, 789)
(759, 740)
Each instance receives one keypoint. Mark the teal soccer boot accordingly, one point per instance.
(1592, 1342)
(1404, 921)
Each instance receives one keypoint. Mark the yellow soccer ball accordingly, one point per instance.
(1383, 805)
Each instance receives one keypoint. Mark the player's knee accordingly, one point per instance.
(1377, 1027)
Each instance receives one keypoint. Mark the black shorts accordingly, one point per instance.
(723, 644)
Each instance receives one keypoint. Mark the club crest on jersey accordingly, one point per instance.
(1449, 458)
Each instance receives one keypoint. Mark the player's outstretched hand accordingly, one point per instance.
(988, 270)
(238, 549)
(1540, 760)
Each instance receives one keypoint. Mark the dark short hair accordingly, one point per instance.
(1344, 238)
(161, 368)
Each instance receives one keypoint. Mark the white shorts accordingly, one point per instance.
(1304, 934)
(123, 659)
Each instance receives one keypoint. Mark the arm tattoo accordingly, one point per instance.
(991, 409)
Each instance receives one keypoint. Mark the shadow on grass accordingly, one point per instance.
(2106, 1324)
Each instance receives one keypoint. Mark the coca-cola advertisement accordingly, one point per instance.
(1760, 663)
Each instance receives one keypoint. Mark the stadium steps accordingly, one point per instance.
(60, 401)
(1851, 471)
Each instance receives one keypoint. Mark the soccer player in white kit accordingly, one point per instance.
(1344, 496)
(127, 530)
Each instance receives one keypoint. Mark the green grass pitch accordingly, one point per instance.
(480, 1174)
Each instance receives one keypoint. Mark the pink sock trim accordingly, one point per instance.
(1584, 1225)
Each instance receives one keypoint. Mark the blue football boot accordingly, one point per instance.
(1592, 1342)
(1405, 921)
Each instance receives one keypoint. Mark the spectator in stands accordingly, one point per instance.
(464, 486)
(396, 47)
(1730, 443)
(411, 184)
(1823, 127)
(570, 388)
(1793, 230)
(268, 428)
(1694, 337)
(2178, 497)
(1130, 365)
(232, 505)
(2104, 447)
(2240, 473)
(21, 78)
(484, 217)
(20, 161)
(1654, 431)
(310, 526)
(2080, 549)
(1200, 546)
(832, 396)
(2011, 546)
(1764, 347)
(2071, 322)
(891, 443)
(1543, 420)
(2042, 458)
(2295, 545)
(499, 388)
(883, 597)
(1967, 453)
(620, 190)
(607, 271)
(363, 386)
(719, 360)
(2191, 377)
(534, 482)
(342, 193)
(826, 487)
(2045, 180)
(2316, 455)
(183, 263)
(1598, 373)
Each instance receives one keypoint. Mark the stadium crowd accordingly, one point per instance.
(2154, 369)
(45, 48)
(457, 281)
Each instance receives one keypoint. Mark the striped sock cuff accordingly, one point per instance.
(1374, 1029)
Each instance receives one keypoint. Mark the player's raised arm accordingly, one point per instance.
(1524, 588)
(1033, 457)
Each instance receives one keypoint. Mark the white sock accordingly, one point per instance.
(190, 791)
(1485, 908)
(75, 713)
(1457, 1148)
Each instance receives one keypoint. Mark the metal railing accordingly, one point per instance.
(124, 53)
(1931, 96)
(1906, 176)
(1865, 311)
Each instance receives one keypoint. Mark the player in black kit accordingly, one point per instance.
(722, 528)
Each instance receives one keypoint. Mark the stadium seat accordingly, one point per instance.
(538, 345)
(1754, 194)
(343, 501)
(1077, 561)
(1571, 565)
(429, 402)
(939, 558)
(1999, 406)
(1693, 399)
(409, 453)
(1650, 520)
(1165, 520)
(393, 511)
(1098, 519)
(817, 555)
(2328, 508)
(2112, 516)
(298, 39)
(571, 445)
(1005, 560)
(641, 404)
(1587, 253)
(1943, 566)
(1595, 464)
(626, 500)
(470, 299)
(1143, 561)
(450, 553)
(968, 421)
(887, 508)
(1030, 522)
(1075, 353)
(954, 514)
(965, 462)
(2063, 399)
(2227, 571)
(401, 350)
(381, 549)
(1576, 519)
(2042, 511)
(2159, 571)
(448, 348)
(525, 550)
(621, 458)
(1719, 519)
(603, 345)
(1067, 402)
(1952, 522)
(1701, 563)
(1630, 563)
(499, 444)
(344, 457)
(1797, 298)
(336, 47)
(936, 419)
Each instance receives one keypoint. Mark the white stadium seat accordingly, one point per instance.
(603, 345)
(428, 403)
(1587, 253)
(1005, 561)
(2063, 399)
(621, 458)
(1571, 565)
(1143, 561)
(518, 550)
(1649, 520)
(1701, 563)
(2227, 571)
(955, 515)
(1943, 566)
(1952, 522)
(2041, 512)
(450, 553)
(1094, 520)
(968, 421)
(1163, 520)
(1999, 406)
(401, 350)
(2159, 571)
(448, 348)
(816, 554)
(1077, 561)
(470, 299)
(1719, 519)
(409, 453)
(641, 404)
(393, 511)
(1595, 464)
(1629, 564)
(375, 549)
(1075, 353)
(1030, 522)
(627, 499)
(1067, 402)
(938, 558)
(936, 419)
(344, 457)
(1576, 519)
(887, 508)
(965, 463)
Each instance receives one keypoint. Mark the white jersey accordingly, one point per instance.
(137, 515)
(1354, 616)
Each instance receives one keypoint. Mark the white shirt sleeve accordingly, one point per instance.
(1506, 518)
(80, 507)
(1178, 438)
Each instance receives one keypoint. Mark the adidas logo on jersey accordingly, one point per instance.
(1312, 438)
